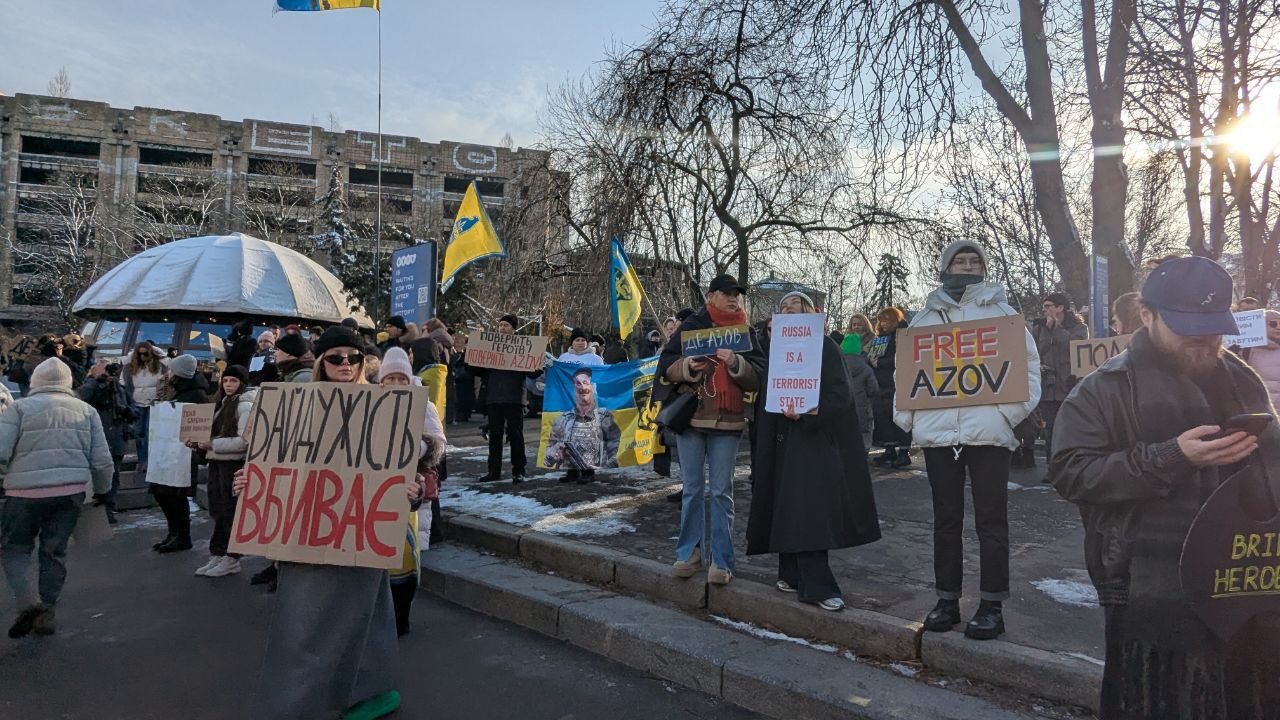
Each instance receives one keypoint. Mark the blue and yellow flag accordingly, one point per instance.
(599, 416)
(473, 237)
(627, 291)
(312, 5)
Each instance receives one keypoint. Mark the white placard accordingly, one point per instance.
(168, 460)
(1253, 330)
(795, 363)
(256, 364)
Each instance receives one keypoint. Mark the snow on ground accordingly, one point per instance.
(149, 520)
(760, 632)
(1068, 592)
(904, 670)
(598, 517)
(1086, 658)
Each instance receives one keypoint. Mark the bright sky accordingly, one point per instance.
(451, 70)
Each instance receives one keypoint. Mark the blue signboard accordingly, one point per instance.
(1100, 303)
(696, 343)
(413, 283)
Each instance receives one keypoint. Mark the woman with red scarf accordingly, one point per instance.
(709, 445)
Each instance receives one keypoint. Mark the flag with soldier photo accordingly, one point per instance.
(598, 417)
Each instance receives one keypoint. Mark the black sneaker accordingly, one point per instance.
(489, 478)
(517, 478)
(944, 616)
(987, 622)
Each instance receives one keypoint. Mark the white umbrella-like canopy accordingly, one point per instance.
(234, 273)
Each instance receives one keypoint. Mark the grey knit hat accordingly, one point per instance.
(183, 366)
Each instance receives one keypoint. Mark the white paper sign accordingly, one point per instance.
(168, 460)
(795, 363)
(1253, 330)
(257, 363)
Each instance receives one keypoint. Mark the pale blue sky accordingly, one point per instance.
(467, 71)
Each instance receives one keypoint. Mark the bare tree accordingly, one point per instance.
(179, 202)
(60, 85)
(278, 205)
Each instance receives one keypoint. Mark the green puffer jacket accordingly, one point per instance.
(52, 438)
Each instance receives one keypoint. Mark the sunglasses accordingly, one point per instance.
(352, 359)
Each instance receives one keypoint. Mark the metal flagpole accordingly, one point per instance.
(377, 241)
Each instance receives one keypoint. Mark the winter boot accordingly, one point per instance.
(44, 623)
(944, 616)
(902, 460)
(987, 622)
(26, 620)
(167, 539)
(885, 458)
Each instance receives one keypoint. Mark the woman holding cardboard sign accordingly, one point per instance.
(331, 646)
(975, 441)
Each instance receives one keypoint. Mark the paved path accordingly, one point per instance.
(141, 638)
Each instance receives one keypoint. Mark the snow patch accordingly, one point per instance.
(1068, 592)
(589, 518)
(1086, 658)
(904, 670)
(771, 635)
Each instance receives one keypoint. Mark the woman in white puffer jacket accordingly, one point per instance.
(974, 441)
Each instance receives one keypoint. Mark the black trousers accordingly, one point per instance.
(987, 468)
(1111, 704)
(222, 504)
(810, 574)
(402, 598)
(581, 475)
(465, 401)
(177, 514)
(1048, 411)
(508, 418)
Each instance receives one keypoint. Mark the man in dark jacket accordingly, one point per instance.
(103, 391)
(1054, 333)
(1136, 448)
(395, 328)
(505, 403)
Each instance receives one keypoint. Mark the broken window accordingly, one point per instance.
(24, 267)
(456, 185)
(32, 235)
(282, 168)
(367, 176)
(486, 188)
(61, 147)
(35, 176)
(32, 295)
(173, 156)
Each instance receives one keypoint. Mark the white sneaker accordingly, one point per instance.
(227, 566)
(204, 569)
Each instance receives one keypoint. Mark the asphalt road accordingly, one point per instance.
(141, 638)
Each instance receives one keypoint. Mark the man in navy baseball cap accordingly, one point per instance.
(1192, 296)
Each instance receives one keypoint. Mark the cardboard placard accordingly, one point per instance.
(1088, 355)
(697, 343)
(197, 423)
(499, 351)
(1230, 564)
(977, 362)
(327, 469)
(1253, 330)
(795, 363)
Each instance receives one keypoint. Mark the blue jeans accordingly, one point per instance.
(144, 418)
(707, 456)
(23, 521)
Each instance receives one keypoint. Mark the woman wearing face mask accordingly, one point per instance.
(225, 452)
(331, 644)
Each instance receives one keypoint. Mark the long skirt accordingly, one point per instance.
(331, 643)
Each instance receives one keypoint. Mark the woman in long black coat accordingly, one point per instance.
(811, 487)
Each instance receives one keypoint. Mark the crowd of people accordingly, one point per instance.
(1139, 445)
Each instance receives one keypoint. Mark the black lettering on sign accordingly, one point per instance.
(922, 381)
(949, 374)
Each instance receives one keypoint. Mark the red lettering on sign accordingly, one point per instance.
(249, 504)
(943, 347)
(988, 342)
(352, 515)
(375, 516)
(965, 343)
(324, 507)
(921, 344)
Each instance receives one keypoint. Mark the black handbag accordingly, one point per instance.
(677, 412)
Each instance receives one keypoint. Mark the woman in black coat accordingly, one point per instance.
(811, 488)
(883, 357)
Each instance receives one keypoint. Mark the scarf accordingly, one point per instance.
(955, 284)
(728, 395)
(224, 417)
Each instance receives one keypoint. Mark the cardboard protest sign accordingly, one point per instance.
(598, 416)
(977, 362)
(1088, 355)
(499, 351)
(795, 363)
(1253, 330)
(696, 343)
(1230, 565)
(196, 424)
(327, 467)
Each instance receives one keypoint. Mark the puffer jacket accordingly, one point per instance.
(235, 447)
(52, 438)
(982, 424)
(1265, 361)
(1054, 345)
(142, 386)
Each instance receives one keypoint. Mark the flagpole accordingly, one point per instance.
(377, 242)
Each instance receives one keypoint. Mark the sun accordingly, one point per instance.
(1256, 135)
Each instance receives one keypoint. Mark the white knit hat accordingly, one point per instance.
(394, 361)
(267, 335)
(52, 373)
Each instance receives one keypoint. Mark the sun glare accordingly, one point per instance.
(1256, 135)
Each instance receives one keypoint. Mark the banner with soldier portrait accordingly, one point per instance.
(598, 417)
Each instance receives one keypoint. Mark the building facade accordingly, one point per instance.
(131, 178)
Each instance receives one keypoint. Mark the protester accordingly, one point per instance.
(709, 446)
(184, 385)
(883, 357)
(976, 441)
(1265, 360)
(52, 446)
(810, 482)
(241, 344)
(1135, 448)
(1126, 314)
(585, 438)
(662, 458)
(76, 353)
(613, 351)
(397, 371)
(1248, 303)
(264, 358)
(294, 359)
(439, 334)
(505, 411)
(579, 352)
(860, 325)
(142, 377)
(463, 380)
(394, 327)
(313, 335)
(1053, 335)
(862, 384)
(225, 452)
(104, 392)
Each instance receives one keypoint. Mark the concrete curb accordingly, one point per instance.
(1026, 670)
(776, 679)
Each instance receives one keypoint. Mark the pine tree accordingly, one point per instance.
(891, 283)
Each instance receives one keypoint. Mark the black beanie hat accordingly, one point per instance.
(515, 321)
(292, 345)
(578, 333)
(397, 322)
(238, 372)
(336, 337)
(350, 323)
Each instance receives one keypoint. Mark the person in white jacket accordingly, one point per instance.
(974, 441)
(580, 352)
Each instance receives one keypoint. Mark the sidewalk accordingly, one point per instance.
(1053, 607)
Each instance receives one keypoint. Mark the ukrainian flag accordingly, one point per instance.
(311, 5)
(473, 237)
(626, 289)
